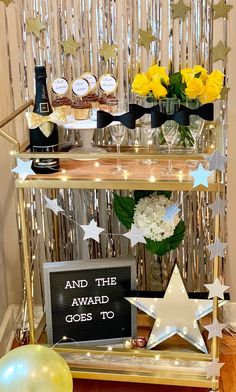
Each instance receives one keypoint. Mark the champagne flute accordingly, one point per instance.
(148, 132)
(170, 132)
(170, 127)
(117, 134)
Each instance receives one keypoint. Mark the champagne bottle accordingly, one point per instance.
(45, 137)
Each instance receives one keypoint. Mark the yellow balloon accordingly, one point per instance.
(34, 368)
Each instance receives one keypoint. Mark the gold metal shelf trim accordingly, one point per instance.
(161, 376)
(116, 184)
(113, 155)
(147, 378)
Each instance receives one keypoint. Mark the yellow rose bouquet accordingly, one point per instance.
(192, 83)
(192, 86)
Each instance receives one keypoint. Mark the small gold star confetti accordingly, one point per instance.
(6, 2)
(34, 25)
(179, 10)
(224, 92)
(107, 51)
(145, 38)
(70, 46)
(221, 9)
(220, 51)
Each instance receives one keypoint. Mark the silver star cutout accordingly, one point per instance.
(216, 161)
(215, 329)
(92, 230)
(218, 207)
(214, 368)
(200, 176)
(217, 249)
(171, 212)
(216, 289)
(51, 204)
(23, 168)
(135, 235)
(176, 313)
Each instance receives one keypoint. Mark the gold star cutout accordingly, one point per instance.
(34, 25)
(224, 92)
(220, 51)
(6, 2)
(107, 51)
(70, 46)
(221, 9)
(145, 38)
(180, 9)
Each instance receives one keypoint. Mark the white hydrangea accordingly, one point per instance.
(148, 215)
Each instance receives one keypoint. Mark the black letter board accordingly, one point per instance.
(85, 300)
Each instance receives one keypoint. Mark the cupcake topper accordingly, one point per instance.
(91, 79)
(60, 86)
(80, 87)
(108, 83)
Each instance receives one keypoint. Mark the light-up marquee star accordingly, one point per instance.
(23, 168)
(92, 230)
(174, 314)
(135, 235)
(200, 176)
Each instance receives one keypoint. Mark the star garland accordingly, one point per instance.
(146, 38)
(220, 51)
(107, 51)
(35, 26)
(70, 46)
(179, 10)
(221, 9)
(6, 2)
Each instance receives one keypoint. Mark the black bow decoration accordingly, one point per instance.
(127, 119)
(158, 118)
(181, 116)
(205, 111)
(140, 110)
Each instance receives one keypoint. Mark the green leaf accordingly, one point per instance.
(161, 247)
(124, 209)
(158, 247)
(175, 78)
(178, 235)
(197, 75)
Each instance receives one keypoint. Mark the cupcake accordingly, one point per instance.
(108, 103)
(93, 99)
(62, 104)
(80, 109)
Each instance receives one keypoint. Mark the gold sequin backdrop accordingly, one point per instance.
(178, 43)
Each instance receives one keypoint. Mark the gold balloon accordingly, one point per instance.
(34, 368)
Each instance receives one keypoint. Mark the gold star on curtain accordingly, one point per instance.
(145, 38)
(6, 2)
(221, 9)
(220, 51)
(107, 51)
(70, 46)
(180, 9)
(224, 92)
(34, 25)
